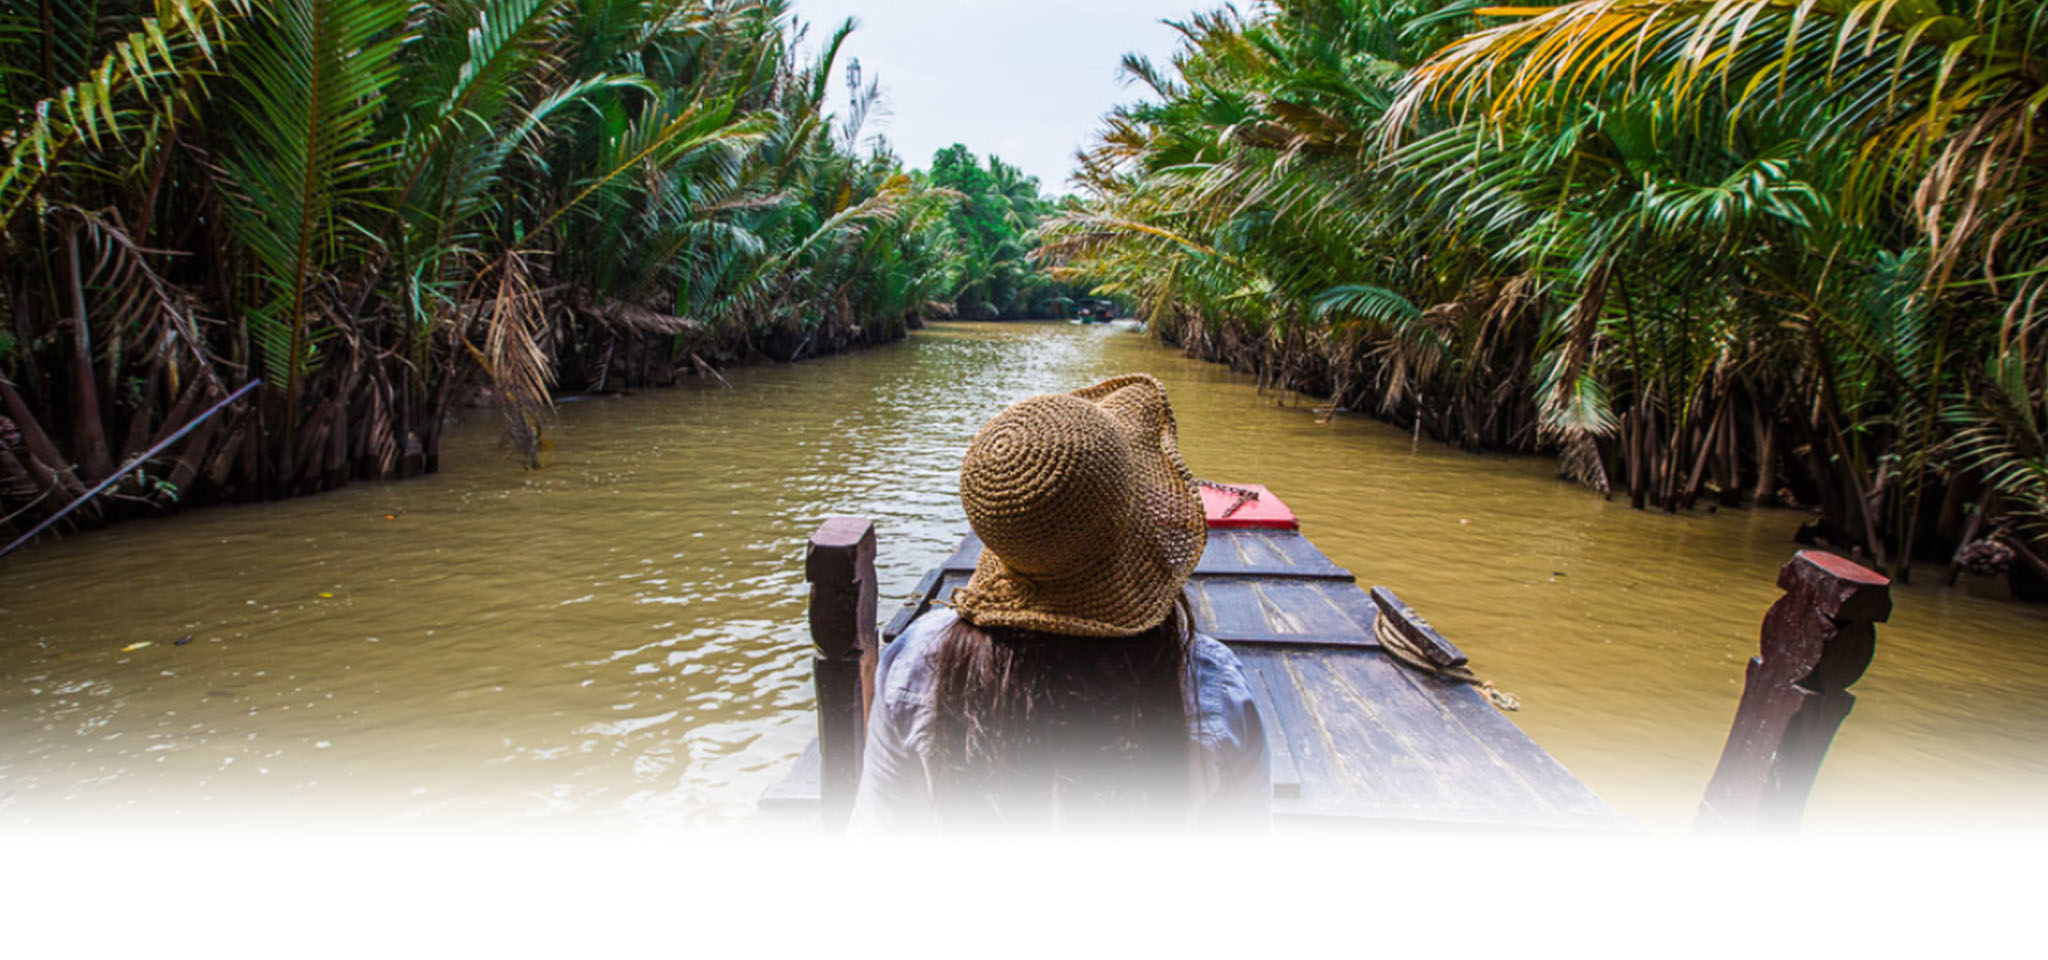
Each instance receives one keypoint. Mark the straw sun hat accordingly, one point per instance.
(1089, 519)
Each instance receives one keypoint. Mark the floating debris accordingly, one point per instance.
(137, 645)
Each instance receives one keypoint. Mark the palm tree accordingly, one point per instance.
(1925, 106)
(1757, 249)
(381, 209)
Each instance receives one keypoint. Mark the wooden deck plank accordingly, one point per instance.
(914, 605)
(948, 584)
(1229, 607)
(1286, 776)
(1353, 601)
(1406, 622)
(1231, 553)
(1521, 756)
(1298, 607)
(1373, 761)
(1275, 572)
(1353, 639)
(1314, 760)
(1299, 549)
(1408, 705)
(1253, 549)
(964, 555)
(1266, 553)
(1198, 604)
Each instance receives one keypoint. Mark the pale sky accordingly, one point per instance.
(1026, 80)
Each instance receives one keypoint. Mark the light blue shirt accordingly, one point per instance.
(1233, 779)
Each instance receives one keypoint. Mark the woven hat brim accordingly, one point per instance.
(1133, 588)
(1070, 607)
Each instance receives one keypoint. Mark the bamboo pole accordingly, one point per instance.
(132, 464)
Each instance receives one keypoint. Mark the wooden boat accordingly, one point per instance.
(1364, 721)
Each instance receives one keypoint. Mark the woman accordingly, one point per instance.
(1065, 686)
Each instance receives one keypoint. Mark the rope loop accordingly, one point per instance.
(1393, 642)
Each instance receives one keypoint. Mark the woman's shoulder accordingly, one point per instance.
(905, 664)
(1223, 694)
(1211, 653)
(1237, 770)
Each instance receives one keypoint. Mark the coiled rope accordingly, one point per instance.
(1392, 641)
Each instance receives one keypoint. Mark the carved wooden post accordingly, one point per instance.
(840, 566)
(1817, 640)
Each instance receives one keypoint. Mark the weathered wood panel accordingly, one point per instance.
(964, 555)
(1286, 776)
(1816, 641)
(1231, 553)
(1468, 775)
(920, 597)
(1370, 736)
(1365, 756)
(1295, 640)
(1311, 752)
(1519, 755)
(1293, 606)
(1416, 630)
(1231, 607)
(840, 566)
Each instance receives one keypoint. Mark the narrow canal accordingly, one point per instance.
(617, 639)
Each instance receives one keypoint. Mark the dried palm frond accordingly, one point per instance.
(516, 357)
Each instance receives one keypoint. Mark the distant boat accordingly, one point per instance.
(1095, 311)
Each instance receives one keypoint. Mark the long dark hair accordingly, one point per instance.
(1034, 729)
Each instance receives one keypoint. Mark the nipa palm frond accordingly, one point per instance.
(312, 74)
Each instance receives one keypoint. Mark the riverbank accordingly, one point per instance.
(203, 472)
(1501, 236)
(378, 224)
(1962, 539)
(619, 639)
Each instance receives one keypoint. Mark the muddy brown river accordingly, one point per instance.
(617, 639)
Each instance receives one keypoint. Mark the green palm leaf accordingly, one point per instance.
(311, 75)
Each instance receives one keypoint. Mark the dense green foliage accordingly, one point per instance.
(1754, 250)
(384, 209)
(994, 227)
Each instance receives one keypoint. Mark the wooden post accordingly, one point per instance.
(840, 566)
(1817, 640)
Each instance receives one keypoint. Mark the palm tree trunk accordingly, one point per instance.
(1858, 498)
(40, 446)
(88, 431)
(1764, 427)
(1638, 456)
(1708, 444)
(1728, 465)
